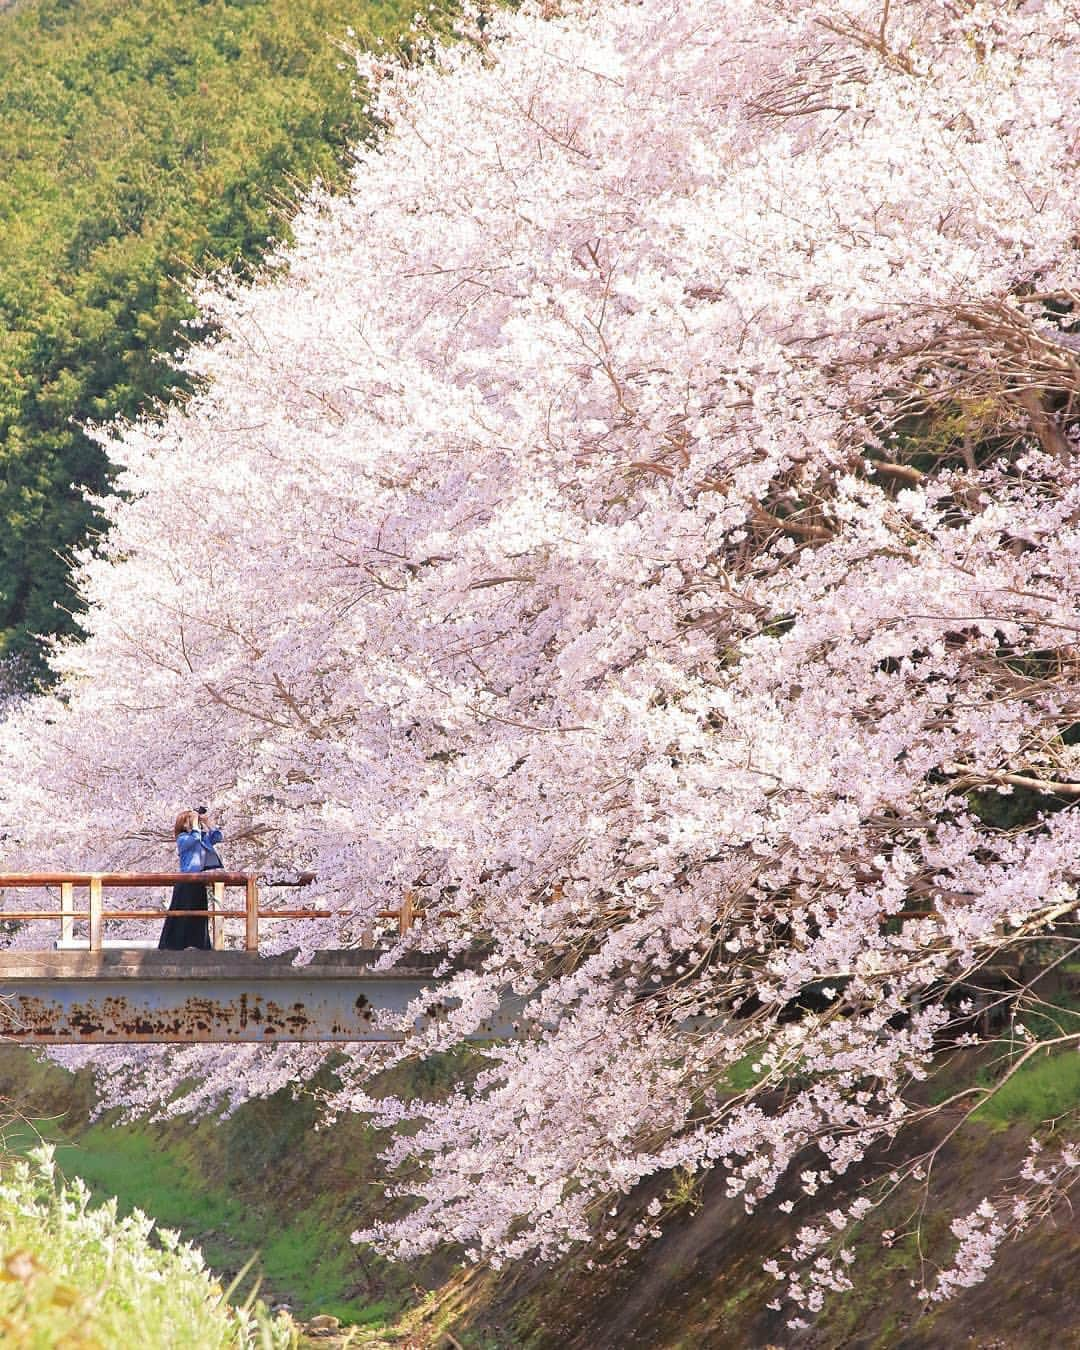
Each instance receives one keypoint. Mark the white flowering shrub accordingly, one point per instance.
(76, 1274)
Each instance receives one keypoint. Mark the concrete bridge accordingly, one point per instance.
(90, 990)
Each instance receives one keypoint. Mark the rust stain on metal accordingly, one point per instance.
(87, 999)
(33, 1014)
(195, 1019)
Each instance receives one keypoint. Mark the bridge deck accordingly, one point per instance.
(110, 997)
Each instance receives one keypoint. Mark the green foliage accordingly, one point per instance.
(969, 430)
(72, 1274)
(137, 143)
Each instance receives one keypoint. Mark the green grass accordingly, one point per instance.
(297, 1259)
(1046, 1087)
(123, 1163)
(741, 1077)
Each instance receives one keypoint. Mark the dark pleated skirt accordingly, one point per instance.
(181, 932)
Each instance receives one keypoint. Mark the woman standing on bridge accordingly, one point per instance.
(196, 836)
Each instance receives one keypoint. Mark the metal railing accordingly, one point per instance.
(219, 881)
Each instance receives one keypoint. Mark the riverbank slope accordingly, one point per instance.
(268, 1180)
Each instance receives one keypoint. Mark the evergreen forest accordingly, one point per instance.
(139, 146)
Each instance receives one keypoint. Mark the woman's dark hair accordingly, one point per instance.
(186, 820)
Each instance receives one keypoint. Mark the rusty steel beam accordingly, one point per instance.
(193, 997)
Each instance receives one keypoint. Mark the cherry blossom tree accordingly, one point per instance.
(641, 520)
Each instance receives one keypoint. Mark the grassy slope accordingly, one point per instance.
(263, 1181)
(701, 1286)
(266, 1180)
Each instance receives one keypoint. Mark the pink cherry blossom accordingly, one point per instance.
(636, 519)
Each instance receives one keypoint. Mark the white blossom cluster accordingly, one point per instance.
(635, 520)
(76, 1273)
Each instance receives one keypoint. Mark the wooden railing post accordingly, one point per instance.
(251, 922)
(217, 926)
(95, 913)
(67, 906)
(405, 913)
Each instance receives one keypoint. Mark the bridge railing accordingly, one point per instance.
(220, 881)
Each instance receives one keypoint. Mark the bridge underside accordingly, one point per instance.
(197, 997)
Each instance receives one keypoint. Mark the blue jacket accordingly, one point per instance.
(193, 847)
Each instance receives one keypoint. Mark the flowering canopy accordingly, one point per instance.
(642, 520)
